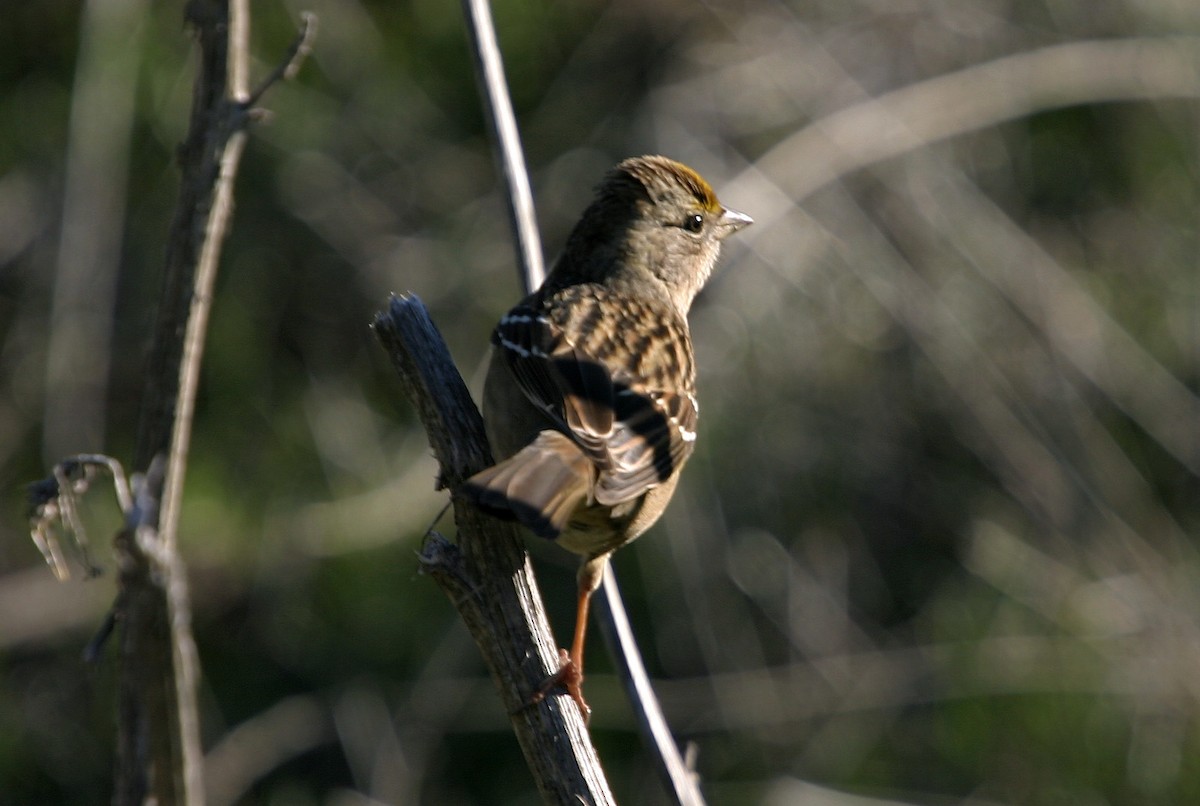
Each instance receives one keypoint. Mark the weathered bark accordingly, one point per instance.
(487, 574)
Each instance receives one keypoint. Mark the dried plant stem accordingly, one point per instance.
(159, 750)
(680, 779)
(498, 106)
(178, 600)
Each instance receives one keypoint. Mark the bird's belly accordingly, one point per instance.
(593, 530)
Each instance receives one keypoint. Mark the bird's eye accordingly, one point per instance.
(693, 223)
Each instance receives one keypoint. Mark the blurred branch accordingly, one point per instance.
(1074, 323)
(224, 134)
(975, 97)
(156, 757)
(289, 728)
(159, 751)
(36, 608)
(982, 95)
(93, 220)
(487, 575)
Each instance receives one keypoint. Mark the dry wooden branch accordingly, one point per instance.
(159, 754)
(158, 751)
(487, 574)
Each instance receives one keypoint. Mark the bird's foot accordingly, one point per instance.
(569, 677)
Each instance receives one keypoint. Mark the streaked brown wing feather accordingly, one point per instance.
(635, 435)
(586, 390)
(654, 436)
(526, 339)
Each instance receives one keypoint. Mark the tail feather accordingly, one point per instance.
(542, 485)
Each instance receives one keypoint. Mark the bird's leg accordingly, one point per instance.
(570, 674)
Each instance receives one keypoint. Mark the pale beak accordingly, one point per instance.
(731, 221)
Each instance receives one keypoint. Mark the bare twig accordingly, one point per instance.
(52, 502)
(680, 779)
(487, 575)
(186, 662)
(494, 89)
(150, 756)
(159, 753)
(297, 53)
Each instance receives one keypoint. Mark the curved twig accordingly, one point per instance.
(498, 106)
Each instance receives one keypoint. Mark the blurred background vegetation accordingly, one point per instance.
(938, 543)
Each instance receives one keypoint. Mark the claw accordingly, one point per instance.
(569, 677)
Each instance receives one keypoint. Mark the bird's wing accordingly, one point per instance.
(600, 391)
(653, 435)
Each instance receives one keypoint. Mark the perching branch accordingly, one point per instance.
(487, 574)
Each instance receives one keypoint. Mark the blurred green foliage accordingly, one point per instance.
(938, 541)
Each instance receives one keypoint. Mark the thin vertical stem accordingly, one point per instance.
(498, 106)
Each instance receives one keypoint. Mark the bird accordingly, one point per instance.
(590, 396)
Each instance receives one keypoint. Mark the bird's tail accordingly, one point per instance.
(541, 486)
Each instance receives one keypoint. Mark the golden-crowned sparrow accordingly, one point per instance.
(590, 401)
